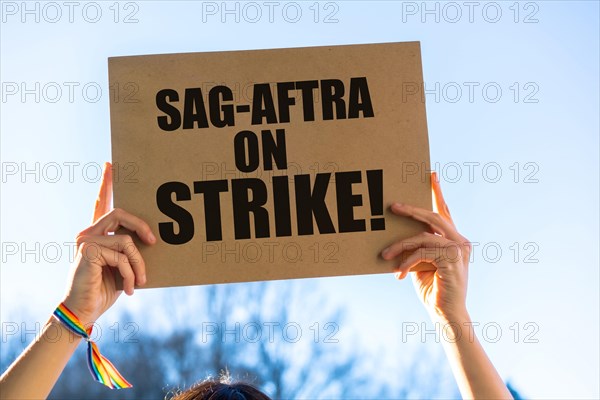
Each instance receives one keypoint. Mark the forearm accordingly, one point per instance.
(34, 373)
(475, 374)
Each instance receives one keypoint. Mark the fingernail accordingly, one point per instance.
(385, 252)
(143, 279)
(151, 237)
(397, 205)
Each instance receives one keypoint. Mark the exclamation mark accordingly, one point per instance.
(375, 183)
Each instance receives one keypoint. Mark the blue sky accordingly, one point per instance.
(541, 133)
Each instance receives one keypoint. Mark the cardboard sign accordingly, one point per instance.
(269, 164)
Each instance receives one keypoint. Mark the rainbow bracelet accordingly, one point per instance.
(102, 370)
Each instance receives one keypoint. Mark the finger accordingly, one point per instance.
(400, 275)
(123, 244)
(442, 207)
(423, 267)
(118, 217)
(410, 245)
(423, 277)
(103, 256)
(412, 261)
(435, 221)
(103, 201)
(436, 245)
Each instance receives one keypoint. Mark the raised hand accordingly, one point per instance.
(101, 255)
(442, 291)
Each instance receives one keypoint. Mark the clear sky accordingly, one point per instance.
(532, 117)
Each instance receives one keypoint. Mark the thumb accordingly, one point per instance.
(103, 202)
(442, 207)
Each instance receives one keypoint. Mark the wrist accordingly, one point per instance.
(456, 327)
(55, 331)
(457, 316)
(85, 318)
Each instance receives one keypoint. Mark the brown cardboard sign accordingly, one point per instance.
(269, 164)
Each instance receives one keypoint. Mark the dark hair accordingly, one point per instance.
(222, 389)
